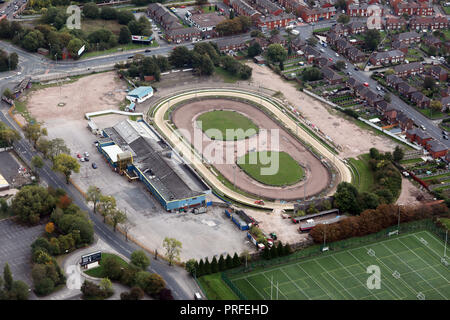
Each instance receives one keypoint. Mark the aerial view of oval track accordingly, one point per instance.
(177, 117)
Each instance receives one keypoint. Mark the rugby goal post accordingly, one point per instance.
(396, 274)
(371, 252)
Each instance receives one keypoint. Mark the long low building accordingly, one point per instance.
(137, 151)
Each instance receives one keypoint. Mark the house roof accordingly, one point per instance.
(436, 146)
(408, 66)
(388, 54)
(419, 96)
(407, 35)
(140, 92)
(406, 87)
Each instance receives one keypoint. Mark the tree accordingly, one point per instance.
(312, 41)
(124, 35)
(7, 135)
(398, 154)
(108, 13)
(345, 198)
(201, 269)
(74, 46)
(106, 287)
(7, 277)
(32, 202)
(339, 65)
(50, 227)
(37, 163)
(387, 97)
(19, 291)
(155, 284)
(207, 267)
(173, 249)
(180, 57)
(436, 105)
(8, 93)
(140, 259)
(34, 131)
(368, 200)
(117, 217)
(111, 268)
(229, 262)
(165, 294)
(222, 265)
(343, 18)
(236, 260)
(372, 39)
(191, 266)
(91, 10)
(107, 204)
(93, 195)
(232, 14)
(311, 74)
(44, 145)
(124, 17)
(56, 147)
(214, 265)
(254, 50)
(428, 83)
(276, 52)
(66, 165)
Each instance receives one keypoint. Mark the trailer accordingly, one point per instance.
(314, 215)
(306, 227)
(259, 246)
(237, 220)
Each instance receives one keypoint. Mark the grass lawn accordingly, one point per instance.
(208, 9)
(364, 177)
(231, 120)
(431, 114)
(225, 75)
(437, 177)
(342, 275)
(446, 9)
(90, 25)
(288, 171)
(98, 271)
(410, 161)
(215, 288)
(446, 222)
(124, 47)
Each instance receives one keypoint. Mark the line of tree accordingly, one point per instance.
(93, 291)
(52, 33)
(374, 220)
(135, 276)
(201, 268)
(7, 135)
(235, 67)
(11, 289)
(235, 25)
(145, 66)
(68, 228)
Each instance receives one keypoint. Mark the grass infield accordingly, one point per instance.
(98, 272)
(289, 171)
(222, 120)
(410, 269)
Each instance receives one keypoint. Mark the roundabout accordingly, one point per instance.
(308, 168)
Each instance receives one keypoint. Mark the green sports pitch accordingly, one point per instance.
(410, 268)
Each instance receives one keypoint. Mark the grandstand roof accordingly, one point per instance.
(151, 156)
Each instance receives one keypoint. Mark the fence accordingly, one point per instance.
(315, 250)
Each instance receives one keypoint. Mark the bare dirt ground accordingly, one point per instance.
(226, 152)
(97, 92)
(409, 193)
(352, 138)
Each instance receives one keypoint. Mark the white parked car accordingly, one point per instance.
(86, 154)
(433, 57)
(337, 54)
(321, 50)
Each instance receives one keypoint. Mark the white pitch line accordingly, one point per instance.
(417, 273)
(432, 248)
(295, 284)
(379, 279)
(428, 265)
(335, 280)
(353, 276)
(254, 288)
(315, 282)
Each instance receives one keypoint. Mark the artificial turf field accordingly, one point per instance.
(289, 171)
(222, 120)
(342, 275)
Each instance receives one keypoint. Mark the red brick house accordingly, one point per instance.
(183, 34)
(361, 10)
(356, 55)
(387, 57)
(422, 138)
(439, 73)
(436, 149)
(413, 8)
(408, 37)
(267, 6)
(407, 69)
(231, 43)
(395, 24)
(404, 122)
(445, 101)
(273, 22)
(406, 90)
(432, 23)
(420, 99)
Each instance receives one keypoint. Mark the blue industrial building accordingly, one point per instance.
(134, 149)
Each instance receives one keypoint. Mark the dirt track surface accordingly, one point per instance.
(88, 94)
(317, 177)
(353, 139)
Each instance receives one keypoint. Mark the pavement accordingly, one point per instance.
(15, 248)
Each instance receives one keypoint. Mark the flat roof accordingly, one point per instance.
(112, 151)
(140, 92)
(3, 183)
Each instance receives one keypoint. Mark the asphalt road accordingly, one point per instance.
(181, 284)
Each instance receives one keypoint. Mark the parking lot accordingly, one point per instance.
(201, 235)
(9, 169)
(15, 242)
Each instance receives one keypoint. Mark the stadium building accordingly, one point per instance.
(140, 94)
(137, 151)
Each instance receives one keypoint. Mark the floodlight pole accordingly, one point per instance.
(445, 245)
(398, 224)
(325, 235)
